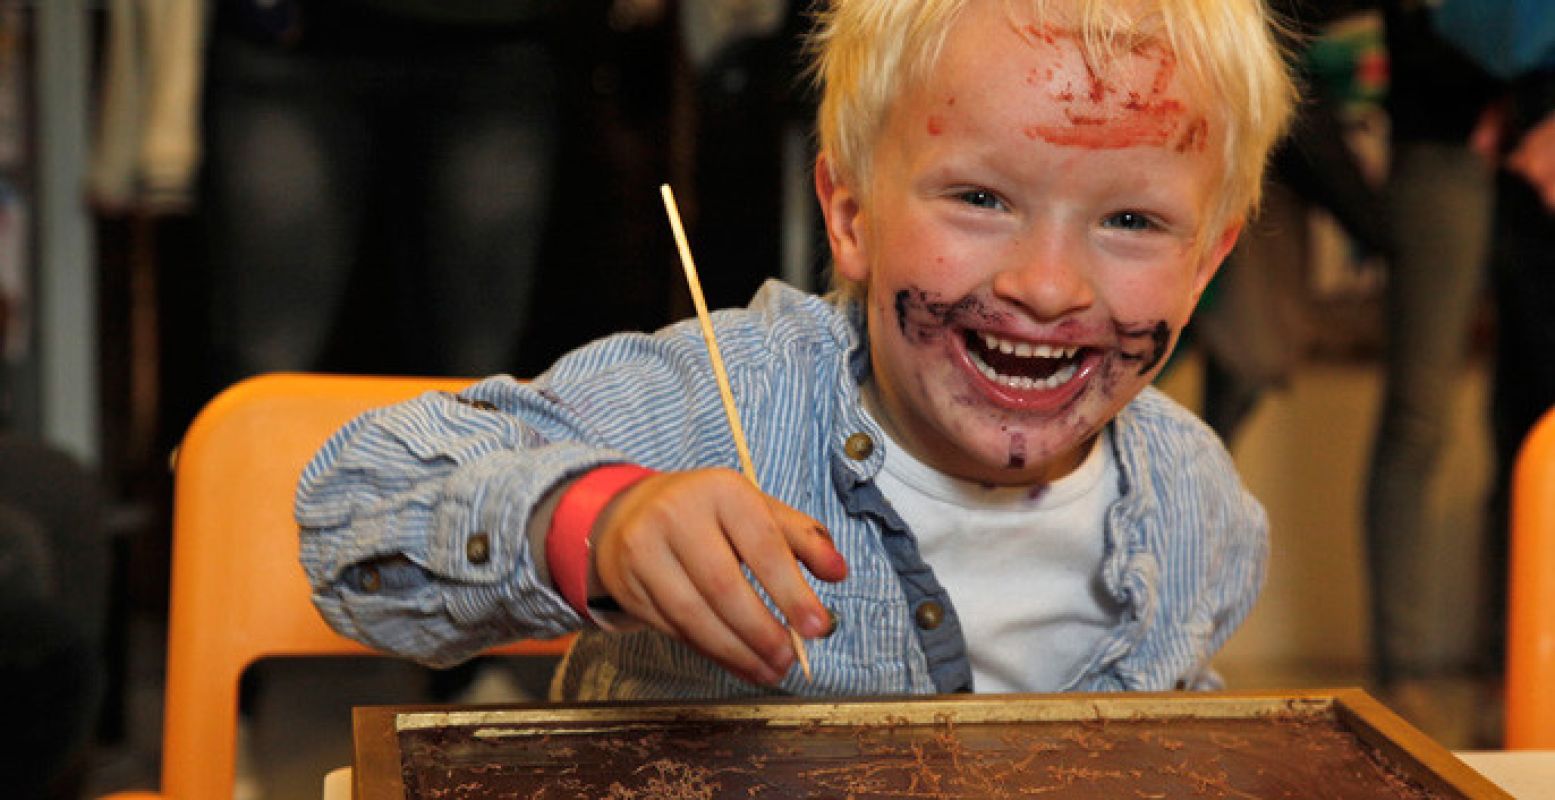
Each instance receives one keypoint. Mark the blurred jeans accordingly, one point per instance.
(1440, 206)
(411, 186)
(1253, 323)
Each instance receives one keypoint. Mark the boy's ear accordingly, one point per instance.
(1216, 256)
(842, 209)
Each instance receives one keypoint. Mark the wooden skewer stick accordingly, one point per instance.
(721, 374)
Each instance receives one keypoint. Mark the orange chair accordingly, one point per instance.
(238, 593)
(1530, 645)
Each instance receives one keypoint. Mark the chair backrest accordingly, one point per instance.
(1530, 647)
(238, 591)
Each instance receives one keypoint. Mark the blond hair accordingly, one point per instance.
(865, 51)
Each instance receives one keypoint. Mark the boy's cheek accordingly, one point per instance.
(1145, 344)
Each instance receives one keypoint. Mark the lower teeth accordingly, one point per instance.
(1022, 383)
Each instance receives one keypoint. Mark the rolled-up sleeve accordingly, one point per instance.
(413, 524)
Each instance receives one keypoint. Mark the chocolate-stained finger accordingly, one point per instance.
(693, 620)
(718, 578)
(811, 543)
(762, 542)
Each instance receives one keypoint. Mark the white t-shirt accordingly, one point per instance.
(1021, 564)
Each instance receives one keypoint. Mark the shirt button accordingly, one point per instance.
(479, 405)
(929, 615)
(478, 548)
(859, 446)
(369, 580)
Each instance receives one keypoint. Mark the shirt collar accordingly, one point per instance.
(848, 418)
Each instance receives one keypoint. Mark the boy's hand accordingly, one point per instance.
(1534, 160)
(669, 551)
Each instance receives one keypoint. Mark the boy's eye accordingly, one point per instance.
(981, 198)
(1129, 220)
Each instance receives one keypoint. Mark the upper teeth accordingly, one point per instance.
(1027, 349)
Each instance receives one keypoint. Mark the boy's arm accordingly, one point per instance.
(1214, 546)
(419, 528)
(1235, 576)
(414, 521)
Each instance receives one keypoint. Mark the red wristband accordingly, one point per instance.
(567, 541)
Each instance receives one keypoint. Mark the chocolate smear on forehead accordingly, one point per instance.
(1103, 115)
(922, 317)
(1195, 136)
(1146, 343)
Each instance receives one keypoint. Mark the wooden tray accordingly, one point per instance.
(1330, 743)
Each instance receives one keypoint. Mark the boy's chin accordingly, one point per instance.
(1015, 461)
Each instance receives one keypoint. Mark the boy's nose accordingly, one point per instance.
(1048, 278)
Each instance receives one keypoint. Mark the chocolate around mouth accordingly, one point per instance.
(922, 318)
(1156, 338)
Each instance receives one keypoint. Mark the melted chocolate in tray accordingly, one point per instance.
(1296, 756)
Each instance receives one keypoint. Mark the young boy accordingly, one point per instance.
(1024, 200)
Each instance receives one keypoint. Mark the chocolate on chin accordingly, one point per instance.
(1298, 750)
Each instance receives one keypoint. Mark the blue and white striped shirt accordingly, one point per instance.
(399, 492)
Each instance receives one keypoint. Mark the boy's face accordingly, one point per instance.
(1028, 239)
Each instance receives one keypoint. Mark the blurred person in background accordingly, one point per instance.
(1515, 41)
(754, 113)
(1439, 196)
(376, 180)
(1254, 323)
(396, 154)
(422, 187)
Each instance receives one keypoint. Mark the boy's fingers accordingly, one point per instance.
(763, 544)
(715, 573)
(688, 616)
(676, 564)
(642, 608)
(812, 544)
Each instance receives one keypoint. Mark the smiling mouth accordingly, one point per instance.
(1023, 366)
